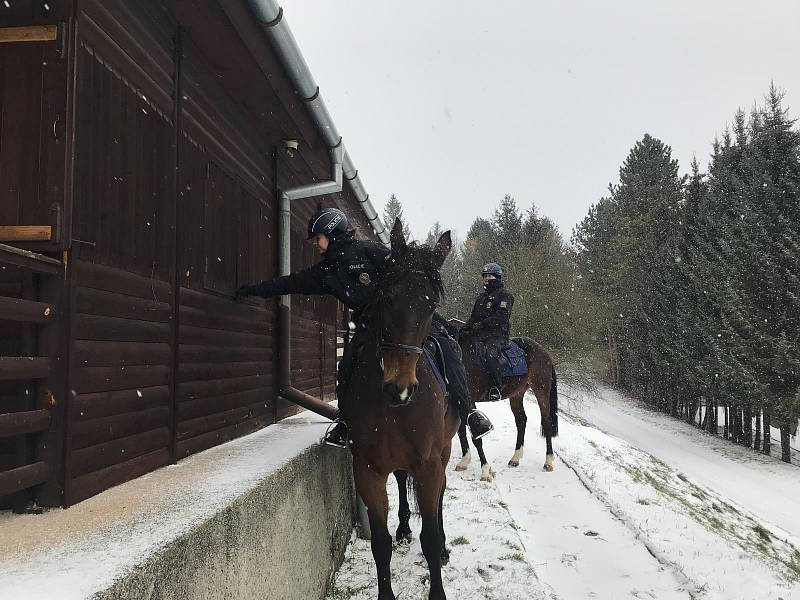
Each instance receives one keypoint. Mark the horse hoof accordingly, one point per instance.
(460, 468)
(464, 462)
(547, 468)
(513, 463)
(404, 539)
(487, 474)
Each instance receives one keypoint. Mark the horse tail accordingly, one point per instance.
(553, 405)
(412, 489)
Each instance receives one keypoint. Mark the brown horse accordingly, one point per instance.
(541, 380)
(400, 419)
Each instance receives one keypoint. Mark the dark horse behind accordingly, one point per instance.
(400, 419)
(541, 380)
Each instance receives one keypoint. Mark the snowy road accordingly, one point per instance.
(761, 484)
(612, 522)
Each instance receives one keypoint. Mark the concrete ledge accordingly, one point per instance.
(267, 516)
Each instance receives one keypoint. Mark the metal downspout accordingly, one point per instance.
(286, 389)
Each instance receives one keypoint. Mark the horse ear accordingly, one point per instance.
(442, 248)
(398, 240)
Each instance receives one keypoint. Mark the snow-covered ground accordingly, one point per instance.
(611, 522)
(762, 484)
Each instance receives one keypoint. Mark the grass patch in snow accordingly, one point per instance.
(517, 556)
(460, 541)
(707, 509)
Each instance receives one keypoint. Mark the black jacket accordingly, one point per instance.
(349, 270)
(491, 314)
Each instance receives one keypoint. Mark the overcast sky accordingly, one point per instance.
(450, 104)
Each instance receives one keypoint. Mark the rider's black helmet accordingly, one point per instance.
(492, 269)
(330, 221)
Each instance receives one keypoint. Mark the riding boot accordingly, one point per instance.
(478, 423)
(494, 367)
(338, 433)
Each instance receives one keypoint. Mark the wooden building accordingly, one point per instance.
(141, 159)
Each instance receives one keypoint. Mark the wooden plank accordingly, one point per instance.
(213, 438)
(22, 478)
(108, 379)
(24, 367)
(209, 337)
(32, 261)
(26, 311)
(19, 423)
(33, 33)
(91, 301)
(25, 233)
(93, 327)
(106, 404)
(97, 431)
(202, 407)
(100, 456)
(88, 485)
(201, 354)
(101, 277)
(205, 371)
(98, 353)
(218, 387)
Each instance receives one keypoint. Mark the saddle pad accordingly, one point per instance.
(433, 357)
(515, 364)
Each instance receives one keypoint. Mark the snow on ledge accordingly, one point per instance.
(76, 552)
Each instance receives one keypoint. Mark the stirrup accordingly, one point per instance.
(494, 394)
(486, 420)
(336, 442)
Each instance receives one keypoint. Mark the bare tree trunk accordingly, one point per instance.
(726, 431)
(712, 418)
(757, 437)
(767, 433)
(786, 449)
(704, 416)
(747, 438)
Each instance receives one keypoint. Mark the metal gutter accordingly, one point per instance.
(277, 31)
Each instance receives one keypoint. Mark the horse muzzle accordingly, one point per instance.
(398, 396)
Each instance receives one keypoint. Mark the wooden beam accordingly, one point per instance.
(34, 33)
(26, 311)
(25, 233)
(19, 423)
(22, 478)
(38, 263)
(23, 367)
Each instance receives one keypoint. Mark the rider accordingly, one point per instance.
(350, 270)
(489, 323)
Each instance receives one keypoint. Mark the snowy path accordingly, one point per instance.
(612, 522)
(575, 544)
(763, 485)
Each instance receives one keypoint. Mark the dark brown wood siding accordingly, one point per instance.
(173, 206)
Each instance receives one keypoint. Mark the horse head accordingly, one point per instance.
(407, 297)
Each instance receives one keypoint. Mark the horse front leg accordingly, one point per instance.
(521, 419)
(466, 458)
(371, 487)
(486, 471)
(430, 490)
(403, 533)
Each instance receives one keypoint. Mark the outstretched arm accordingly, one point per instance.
(308, 281)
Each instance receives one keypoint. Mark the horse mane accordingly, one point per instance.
(416, 257)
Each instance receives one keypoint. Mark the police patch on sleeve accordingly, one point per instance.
(364, 278)
(503, 304)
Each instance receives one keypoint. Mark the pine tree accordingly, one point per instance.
(394, 210)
